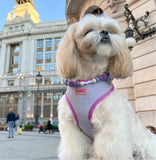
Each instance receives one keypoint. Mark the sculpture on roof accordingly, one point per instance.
(25, 1)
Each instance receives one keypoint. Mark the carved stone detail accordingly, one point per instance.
(113, 5)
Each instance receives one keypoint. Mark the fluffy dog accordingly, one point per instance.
(91, 49)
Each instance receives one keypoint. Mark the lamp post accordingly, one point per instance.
(38, 79)
(135, 28)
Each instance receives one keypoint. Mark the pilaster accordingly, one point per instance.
(51, 106)
(42, 104)
(2, 59)
(7, 59)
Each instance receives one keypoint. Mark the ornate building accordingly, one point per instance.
(140, 88)
(26, 47)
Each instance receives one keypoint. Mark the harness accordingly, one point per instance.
(83, 100)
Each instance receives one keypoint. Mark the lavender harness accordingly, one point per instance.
(83, 100)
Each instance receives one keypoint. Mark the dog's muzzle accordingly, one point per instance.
(104, 37)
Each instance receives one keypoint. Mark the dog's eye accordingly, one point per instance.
(88, 32)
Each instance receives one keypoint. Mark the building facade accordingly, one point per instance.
(140, 88)
(27, 47)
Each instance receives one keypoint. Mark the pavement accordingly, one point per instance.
(29, 146)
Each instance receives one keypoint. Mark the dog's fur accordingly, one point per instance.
(118, 133)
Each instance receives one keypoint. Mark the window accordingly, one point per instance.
(39, 66)
(95, 10)
(11, 29)
(10, 82)
(57, 80)
(55, 68)
(48, 66)
(48, 80)
(57, 96)
(44, 54)
(2, 99)
(15, 49)
(14, 58)
(47, 104)
(40, 43)
(14, 70)
(47, 97)
(48, 43)
(39, 55)
(48, 55)
(22, 26)
(17, 28)
(39, 104)
(57, 41)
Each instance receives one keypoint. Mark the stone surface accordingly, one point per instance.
(140, 88)
(29, 145)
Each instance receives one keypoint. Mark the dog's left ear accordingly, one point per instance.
(120, 65)
(66, 57)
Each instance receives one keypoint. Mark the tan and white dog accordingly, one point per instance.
(89, 48)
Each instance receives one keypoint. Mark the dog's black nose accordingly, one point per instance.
(104, 32)
(104, 36)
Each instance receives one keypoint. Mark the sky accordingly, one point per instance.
(49, 10)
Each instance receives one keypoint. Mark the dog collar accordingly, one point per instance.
(103, 77)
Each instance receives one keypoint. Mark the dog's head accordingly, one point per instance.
(95, 43)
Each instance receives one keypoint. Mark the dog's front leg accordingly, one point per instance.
(112, 140)
(74, 144)
(107, 146)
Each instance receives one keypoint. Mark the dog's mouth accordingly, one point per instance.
(105, 40)
(105, 37)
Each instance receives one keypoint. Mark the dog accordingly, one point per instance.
(91, 54)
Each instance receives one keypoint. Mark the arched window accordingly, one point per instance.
(94, 10)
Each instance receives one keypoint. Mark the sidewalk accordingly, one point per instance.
(29, 145)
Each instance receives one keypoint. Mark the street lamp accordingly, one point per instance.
(134, 33)
(20, 77)
(38, 79)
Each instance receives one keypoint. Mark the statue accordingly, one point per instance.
(25, 1)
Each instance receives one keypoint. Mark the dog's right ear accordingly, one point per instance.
(66, 57)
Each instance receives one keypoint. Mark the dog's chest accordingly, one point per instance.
(83, 100)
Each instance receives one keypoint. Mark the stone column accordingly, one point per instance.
(42, 103)
(7, 64)
(51, 105)
(53, 54)
(20, 57)
(20, 105)
(24, 106)
(2, 59)
(32, 55)
(33, 103)
(24, 56)
(44, 49)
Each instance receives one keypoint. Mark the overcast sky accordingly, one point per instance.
(49, 10)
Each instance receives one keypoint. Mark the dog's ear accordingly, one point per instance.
(120, 65)
(66, 57)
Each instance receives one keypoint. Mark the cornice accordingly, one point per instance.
(53, 29)
(8, 36)
(11, 89)
(47, 88)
